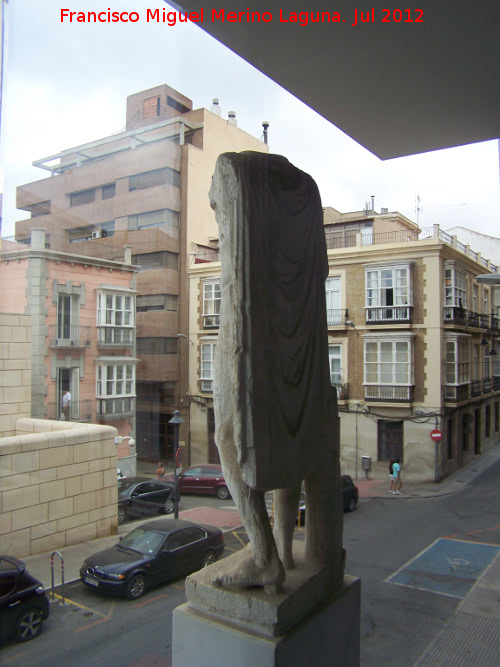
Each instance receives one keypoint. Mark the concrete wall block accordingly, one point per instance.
(42, 425)
(29, 516)
(110, 477)
(59, 509)
(11, 379)
(5, 423)
(43, 530)
(19, 335)
(43, 476)
(52, 542)
(25, 462)
(54, 439)
(52, 491)
(76, 436)
(31, 442)
(16, 395)
(85, 502)
(5, 334)
(97, 433)
(10, 445)
(93, 482)
(17, 543)
(73, 486)
(100, 464)
(5, 524)
(81, 534)
(108, 526)
(15, 365)
(25, 425)
(85, 452)
(107, 448)
(73, 521)
(10, 320)
(103, 513)
(16, 482)
(56, 457)
(74, 470)
(15, 499)
(5, 464)
(9, 408)
(104, 497)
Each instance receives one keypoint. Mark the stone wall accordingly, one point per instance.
(15, 370)
(57, 485)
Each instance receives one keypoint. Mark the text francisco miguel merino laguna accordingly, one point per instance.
(215, 15)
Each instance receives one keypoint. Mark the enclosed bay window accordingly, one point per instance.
(388, 367)
(211, 304)
(115, 317)
(335, 359)
(457, 364)
(207, 365)
(334, 312)
(115, 387)
(388, 295)
(455, 291)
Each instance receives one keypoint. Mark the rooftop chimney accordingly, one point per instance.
(215, 108)
(231, 117)
(265, 125)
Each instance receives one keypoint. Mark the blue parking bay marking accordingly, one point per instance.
(449, 567)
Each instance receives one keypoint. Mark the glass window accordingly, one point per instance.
(157, 345)
(211, 304)
(108, 191)
(82, 197)
(207, 366)
(335, 357)
(388, 362)
(115, 380)
(115, 310)
(147, 302)
(157, 260)
(457, 361)
(334, 314)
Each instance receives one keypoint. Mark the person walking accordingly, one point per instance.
(160, 471)
(396, 473)
(66, 404)
(392, 485)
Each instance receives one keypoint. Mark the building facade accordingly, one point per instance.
(145, 187)
(82, 334)
(412, 346)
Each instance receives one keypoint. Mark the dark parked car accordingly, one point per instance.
(151, 554)
(207, 478)
(23, 603)
(350, 494)
(139, 497)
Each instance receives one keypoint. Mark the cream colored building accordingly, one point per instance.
(412, 346)
(145, 187)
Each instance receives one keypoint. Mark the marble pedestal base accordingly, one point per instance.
(329, 635)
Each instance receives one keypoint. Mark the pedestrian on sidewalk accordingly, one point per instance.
(160, 470)
(396, 473)
(393, 480)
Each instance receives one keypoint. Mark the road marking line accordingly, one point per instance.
(239, 538)
(91, 625)
(474, 532)
(81, 606)
(15, 657)
(143, 604)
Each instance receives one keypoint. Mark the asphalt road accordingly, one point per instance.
(388, 541)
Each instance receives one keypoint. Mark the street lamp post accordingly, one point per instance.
(176, 420)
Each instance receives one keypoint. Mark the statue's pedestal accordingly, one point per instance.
(303, 625)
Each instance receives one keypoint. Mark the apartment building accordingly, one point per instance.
(412, 346)
(82, 314)
(145, 187)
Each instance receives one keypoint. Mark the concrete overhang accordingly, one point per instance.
(398, 88)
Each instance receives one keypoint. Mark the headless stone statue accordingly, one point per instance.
(275, 409)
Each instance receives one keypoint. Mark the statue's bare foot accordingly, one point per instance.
(248, 573)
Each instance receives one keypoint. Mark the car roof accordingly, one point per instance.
(169, 525)
(216, 466)
(9, 564)
(138, 480)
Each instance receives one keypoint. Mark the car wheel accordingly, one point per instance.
(136, 587)
(223, 492)
(208, 558)
(352, 504)
(169, 506)
(122, 515)
(28, 624)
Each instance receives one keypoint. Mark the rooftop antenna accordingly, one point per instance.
(265, 125)
(419, 205)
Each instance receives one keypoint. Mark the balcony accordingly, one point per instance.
(69, 335)
(463, 317)
(336, 316)
(115, 408)
(389, 315)
(342, 390)
(79, 411)
(456, 393)
(207, 386)
(210, 321)
(115, 336)
(389, 393)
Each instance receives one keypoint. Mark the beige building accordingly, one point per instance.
(145, 187)
(412, 346)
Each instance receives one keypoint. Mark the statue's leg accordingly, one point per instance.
(286, 505)
(262, 565)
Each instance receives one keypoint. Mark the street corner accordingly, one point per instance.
(226, 519)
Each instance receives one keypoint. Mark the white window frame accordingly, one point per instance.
(333, 295)
(110, 314)
(211, 294)
(334, 356)
(115, 374)
(457, 359)
(207, 356)
(384, 367)
(455, 285)
(376, 294)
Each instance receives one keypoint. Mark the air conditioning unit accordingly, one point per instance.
(98, 234)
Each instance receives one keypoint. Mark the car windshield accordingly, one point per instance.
(142, 541)
(124, 484)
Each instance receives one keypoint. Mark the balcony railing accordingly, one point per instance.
(69, 335)
(115, 336)
(465, 317)
(389, 314)
(456, 393)
(336, 316)
(79, 411)
(115, 408)
(476, 387)
(386, 392)
(207, 386)
(342, 390)
(210, 321)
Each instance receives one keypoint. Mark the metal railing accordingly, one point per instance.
(336, 316)
(385, 392)
(69, 335)
(115, 408)
(383, 314)
(78, 411)
(210, 321)
(207, 386)
(115, 336)
(464, 317)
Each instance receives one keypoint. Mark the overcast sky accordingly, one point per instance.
(66, 84)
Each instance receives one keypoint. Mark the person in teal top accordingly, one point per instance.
(396, 473)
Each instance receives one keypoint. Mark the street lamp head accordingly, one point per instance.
(489, 278)
(176, 419)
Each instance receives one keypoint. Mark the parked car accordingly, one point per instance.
(350, 494)
(151, 554)
(207, 478)
(23, 603)
(139, 497)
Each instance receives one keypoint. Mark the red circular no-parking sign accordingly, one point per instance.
(436, 434)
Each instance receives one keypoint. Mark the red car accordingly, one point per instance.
(207, 478)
